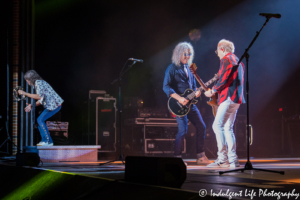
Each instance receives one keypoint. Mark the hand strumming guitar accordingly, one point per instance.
(209, 93)
(183, 101)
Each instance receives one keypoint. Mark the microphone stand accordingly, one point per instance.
(119, 79)
(248, 165)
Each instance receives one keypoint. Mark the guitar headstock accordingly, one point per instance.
(193, 68)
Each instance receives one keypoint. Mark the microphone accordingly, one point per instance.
(138, 60)
(269, 15)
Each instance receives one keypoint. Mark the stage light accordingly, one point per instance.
(195, 34)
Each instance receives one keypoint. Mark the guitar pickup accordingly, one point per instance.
(179, 104)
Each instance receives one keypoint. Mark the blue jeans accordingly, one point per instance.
(46, 114)
(182, 122)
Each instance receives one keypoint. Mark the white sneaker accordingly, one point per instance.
(41, 143)
(219, 164)
(44, 144)
(234, 164)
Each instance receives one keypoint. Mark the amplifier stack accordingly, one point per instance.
(58, 131)
(155, 135)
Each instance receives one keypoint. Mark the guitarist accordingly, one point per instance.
(229, 89)
(177, 79)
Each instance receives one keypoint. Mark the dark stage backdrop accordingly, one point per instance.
(83, 45)
(6, 33)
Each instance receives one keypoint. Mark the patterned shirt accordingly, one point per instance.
(176, 80)
(231, 80)
(49, 98)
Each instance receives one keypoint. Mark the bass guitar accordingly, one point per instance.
(180, 110)
(213, 101)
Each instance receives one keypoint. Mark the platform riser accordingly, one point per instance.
(48, 156)
(54, 154)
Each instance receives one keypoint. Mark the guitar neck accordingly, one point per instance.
(193, 94)
(207, 83)
(203, 85)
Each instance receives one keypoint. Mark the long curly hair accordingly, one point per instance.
(179, 50)
(32, 76)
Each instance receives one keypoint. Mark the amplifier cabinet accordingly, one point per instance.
(58, 129)
(153, 112)
(57, 126)
(57, 133)
(57, 123)
(161, 146)
(158, 134)
(164, 122)
(106, 124)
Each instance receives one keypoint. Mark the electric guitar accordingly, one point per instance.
(213, 101)
(180, 110)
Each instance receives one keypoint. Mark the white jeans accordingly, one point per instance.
(223, 128)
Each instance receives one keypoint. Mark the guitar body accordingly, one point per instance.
(178, 109)
(213, 102)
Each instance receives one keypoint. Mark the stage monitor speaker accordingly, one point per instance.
(161, 171)
(27, 159)
(30, 149)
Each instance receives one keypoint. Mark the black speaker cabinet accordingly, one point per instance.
(161, 171)
(106, 132)
(27, 159)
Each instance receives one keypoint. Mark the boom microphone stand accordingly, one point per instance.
(119, 79)
(248, 165)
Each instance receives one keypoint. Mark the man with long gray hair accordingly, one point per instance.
(177, 79)
(229, 89)
(46, 96)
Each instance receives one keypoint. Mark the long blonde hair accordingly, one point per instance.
(179, 50)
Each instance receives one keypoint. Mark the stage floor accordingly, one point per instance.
(251, 184)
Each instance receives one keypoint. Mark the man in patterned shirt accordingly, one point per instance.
(47, 97)
(229, 89)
